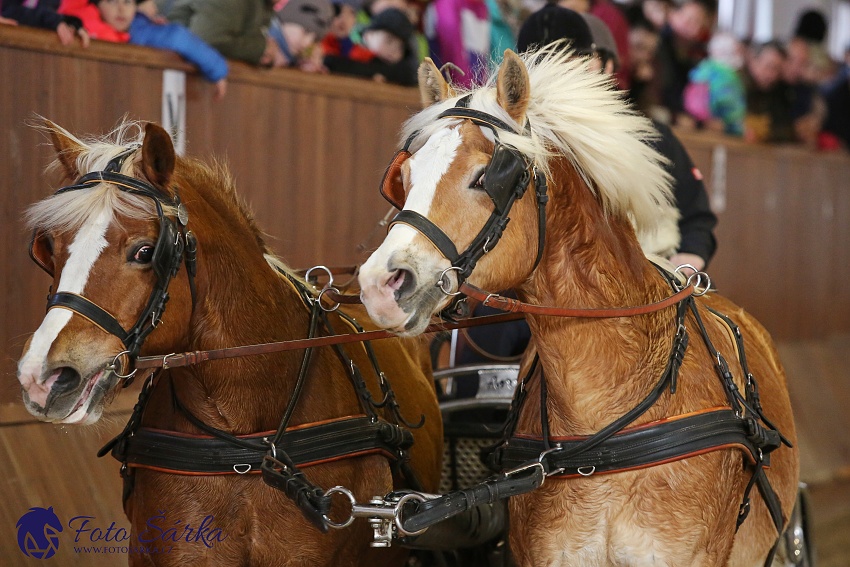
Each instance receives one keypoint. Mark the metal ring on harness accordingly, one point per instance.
(398, 507)
(113, 367)
(327, 271)
(319, 299)
(350, 495)
(443, 281)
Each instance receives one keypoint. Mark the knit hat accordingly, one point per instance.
(551, 23)
(393, 21)
(313, 15)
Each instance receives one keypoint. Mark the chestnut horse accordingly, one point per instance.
(545, 117)
(101, 240)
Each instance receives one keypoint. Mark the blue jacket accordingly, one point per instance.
(179, 39)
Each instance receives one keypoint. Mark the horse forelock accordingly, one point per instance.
(70, 211)
(574, 112)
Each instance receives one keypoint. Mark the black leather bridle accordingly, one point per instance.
(174, 244)
(506, 180)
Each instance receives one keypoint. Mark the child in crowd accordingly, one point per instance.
(296, 29)
(43, 14)
(715, 95)
(120, 21)
(386, 53)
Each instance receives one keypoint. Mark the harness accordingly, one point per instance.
(506, 179)
(616, 447)
(277, 455)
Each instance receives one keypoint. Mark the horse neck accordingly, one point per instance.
(596, 369)
(241, 300)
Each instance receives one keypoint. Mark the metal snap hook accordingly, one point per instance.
(445, 284)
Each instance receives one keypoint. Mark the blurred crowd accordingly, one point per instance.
(671, 61)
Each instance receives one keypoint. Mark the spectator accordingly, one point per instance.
(233, 27)
(682, 44)
(119, 20)
(807, 107)
(339, 41)
(811, 28)
(715, 95)
(112, 26)
(643, 45)
(696, 225)
(614, 18)
(297, 27)
(458, 32)
(386, 55)
(501, 35)
(768, 117)
(43, 14)
(836, 126)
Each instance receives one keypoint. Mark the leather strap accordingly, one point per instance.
(516, 306)
(196, 357)
(305, 444)
(646, 445)
(90, 310)
(432, 232)
(492, 490)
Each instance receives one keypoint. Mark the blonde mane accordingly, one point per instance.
(575, 112)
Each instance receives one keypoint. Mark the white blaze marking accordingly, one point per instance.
(427, 168)
(83, 253)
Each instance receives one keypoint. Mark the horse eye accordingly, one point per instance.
(480, 183)
(143, 255)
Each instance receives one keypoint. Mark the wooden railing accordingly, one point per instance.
(307, 152)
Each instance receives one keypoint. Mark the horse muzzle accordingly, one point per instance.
(66, 395)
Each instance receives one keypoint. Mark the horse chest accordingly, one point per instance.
(598, 528)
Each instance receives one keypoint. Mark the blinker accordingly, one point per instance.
(392, 185)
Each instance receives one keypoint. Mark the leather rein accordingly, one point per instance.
(514, 310)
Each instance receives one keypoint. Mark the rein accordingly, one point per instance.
(514, 308)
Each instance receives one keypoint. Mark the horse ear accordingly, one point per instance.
(68, 149)
(513, 87)
(157, 155)
(432, 86)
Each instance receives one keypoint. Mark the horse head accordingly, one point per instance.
(463, 175)
(481, 172)
(112, 241)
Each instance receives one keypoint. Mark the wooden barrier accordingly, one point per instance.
(308, 150)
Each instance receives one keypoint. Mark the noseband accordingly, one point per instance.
(173, 244)
(506, 179)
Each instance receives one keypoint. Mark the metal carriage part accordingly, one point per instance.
(474, 402)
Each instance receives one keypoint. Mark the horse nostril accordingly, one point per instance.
(403, 282)
(68, 380)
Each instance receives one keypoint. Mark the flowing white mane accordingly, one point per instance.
(575, 112)
(70, 211)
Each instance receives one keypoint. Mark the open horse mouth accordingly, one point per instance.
(61, 387)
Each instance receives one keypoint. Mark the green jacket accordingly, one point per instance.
(233, 27)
